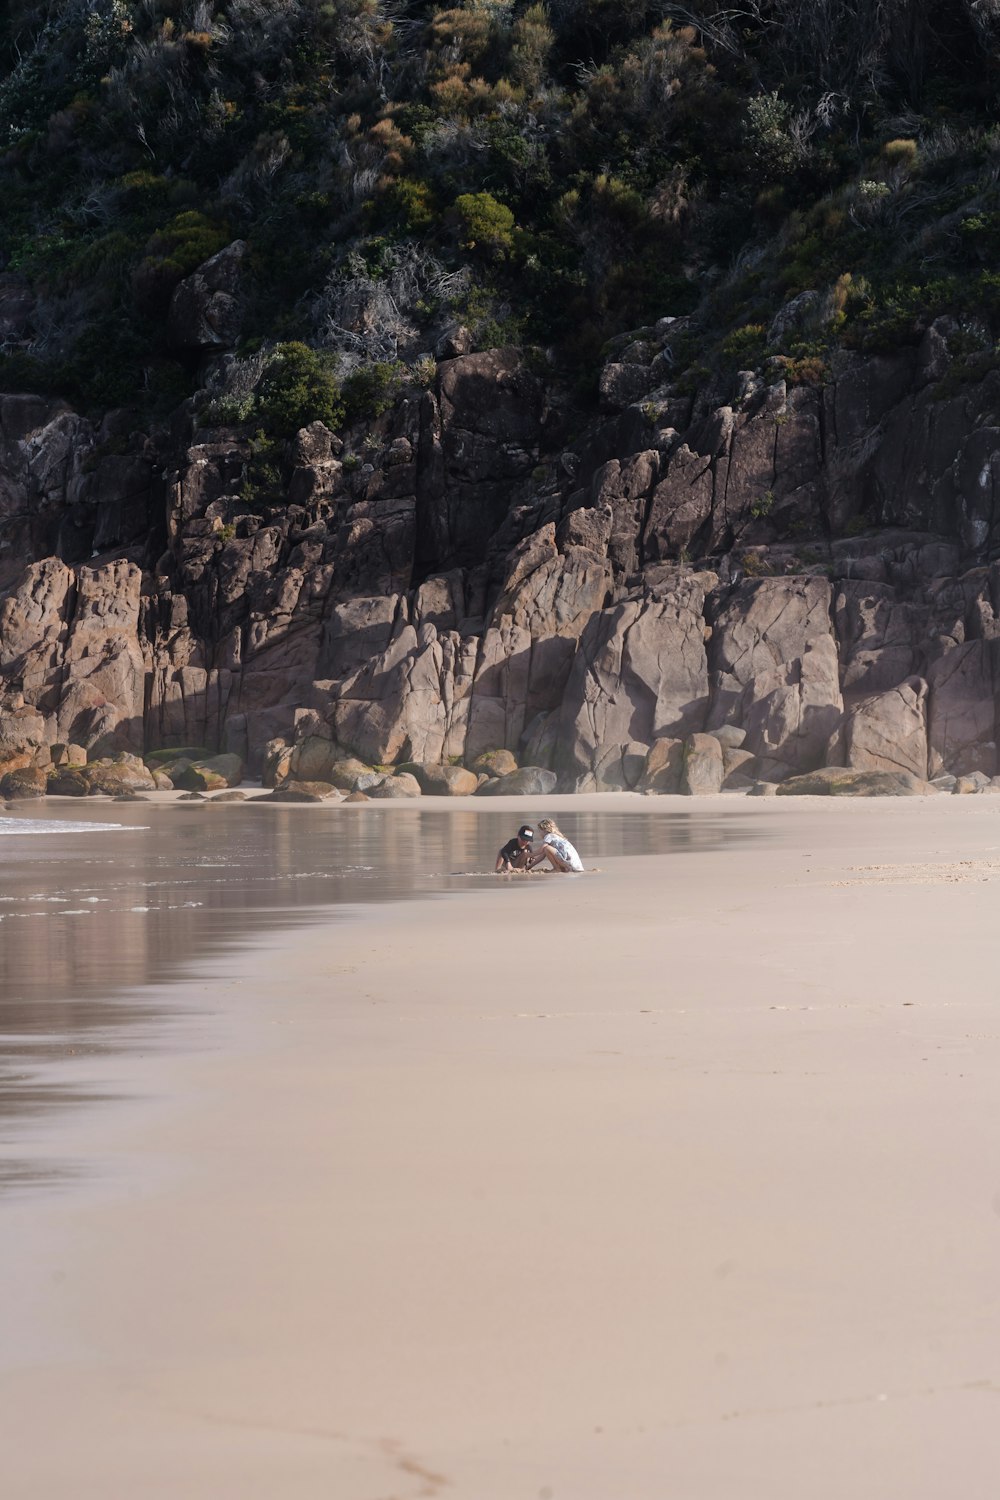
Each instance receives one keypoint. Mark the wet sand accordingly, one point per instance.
(678, 1179)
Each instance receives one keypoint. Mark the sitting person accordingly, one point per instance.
(516, 853)
(556, 849)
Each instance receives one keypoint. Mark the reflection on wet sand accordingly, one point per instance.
(89, 920)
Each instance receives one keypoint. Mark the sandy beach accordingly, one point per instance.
(675, 1179)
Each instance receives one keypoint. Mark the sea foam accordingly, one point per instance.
(23, 827)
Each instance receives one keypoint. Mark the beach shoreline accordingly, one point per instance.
(676, 1179)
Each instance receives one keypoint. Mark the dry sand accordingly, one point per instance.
(681, 1180)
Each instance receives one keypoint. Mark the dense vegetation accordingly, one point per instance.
(550, 174)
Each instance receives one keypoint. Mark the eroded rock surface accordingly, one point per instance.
(805, 573)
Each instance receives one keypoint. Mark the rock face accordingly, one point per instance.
(206, 308)
(804, 576)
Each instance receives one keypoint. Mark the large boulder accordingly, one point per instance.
(445, 781)
(838, 781)
(972, 785)
(494, 763)
(313, 758)
(305, 791)
(888, 731)
(529, 781)
(703, 769)
(738, 767)
(30, 781)
(396, 788)
(664, 764)
(68, 755)
(351, 775)
(198, 778)
(229, 767)
(619, 768)
(68, 781)
(113, 778)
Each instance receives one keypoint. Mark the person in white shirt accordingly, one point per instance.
(556, 849)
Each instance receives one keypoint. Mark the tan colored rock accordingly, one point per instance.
(775, 669)
(494, 763)
(972, 785)
(446, 781)
(16, 760)
(396, 787)
(305, 791)
(529, 781)
(888, 731)
(277, 762)
(112, 778)
(412, 700)
(619, 768)
(664, 764)
(640, 674)
(703, 769)
(737, 767)
(878, 636)
(102, 672)
(961, 722)
(550, 594)
(730, 737)
(313, 758)
(347, 774)
(229, 767)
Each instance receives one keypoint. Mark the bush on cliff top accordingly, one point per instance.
(572, 169)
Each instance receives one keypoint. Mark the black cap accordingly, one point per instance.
(525, 832)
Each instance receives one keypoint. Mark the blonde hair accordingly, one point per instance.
(547, 826)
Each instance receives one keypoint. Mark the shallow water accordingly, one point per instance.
(97, 911)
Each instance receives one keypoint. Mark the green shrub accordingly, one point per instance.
(413, 203)
(484, 224)
(173, 253)
(744, 347)
(372, 389)
(297, 388)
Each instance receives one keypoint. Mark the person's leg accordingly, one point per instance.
(555, 860)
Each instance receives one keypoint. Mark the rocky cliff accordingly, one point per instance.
(809, 565)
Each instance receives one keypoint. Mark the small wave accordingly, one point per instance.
(28, 827)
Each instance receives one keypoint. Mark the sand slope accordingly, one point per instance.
(678, 1180)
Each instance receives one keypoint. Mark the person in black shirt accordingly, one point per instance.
(516, 853)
